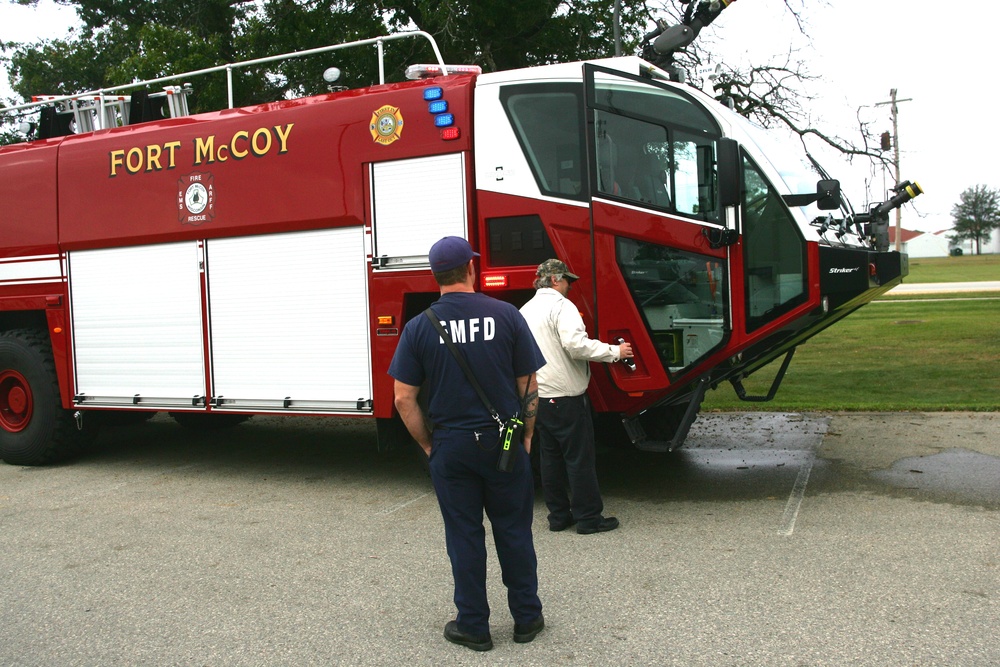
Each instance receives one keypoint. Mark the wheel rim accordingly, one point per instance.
(16, 403)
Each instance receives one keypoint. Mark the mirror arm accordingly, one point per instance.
(800, 200)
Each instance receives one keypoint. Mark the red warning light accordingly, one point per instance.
(494, 281)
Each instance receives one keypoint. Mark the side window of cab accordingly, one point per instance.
(655, 146)
(547, 121)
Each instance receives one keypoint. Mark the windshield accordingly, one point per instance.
(783, 161)
(795, 172)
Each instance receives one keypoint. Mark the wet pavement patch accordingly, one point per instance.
(702, 474)
(956, 476)
(727, 457)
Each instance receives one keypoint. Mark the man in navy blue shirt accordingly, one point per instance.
(464, 446)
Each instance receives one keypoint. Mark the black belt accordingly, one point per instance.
(467, 430)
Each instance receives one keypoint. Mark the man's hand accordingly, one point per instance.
(409, 411)
(625, 351)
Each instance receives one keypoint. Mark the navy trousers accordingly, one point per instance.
(467, 482)
(565, 435)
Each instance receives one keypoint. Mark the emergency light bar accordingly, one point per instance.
(415, 72)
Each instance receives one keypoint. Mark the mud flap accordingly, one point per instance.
(669, 424)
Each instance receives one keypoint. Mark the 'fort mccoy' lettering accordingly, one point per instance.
(205, 150)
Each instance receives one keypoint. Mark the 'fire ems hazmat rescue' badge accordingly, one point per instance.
(386, 125)
(196, 198)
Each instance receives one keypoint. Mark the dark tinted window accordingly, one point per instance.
(774, 254)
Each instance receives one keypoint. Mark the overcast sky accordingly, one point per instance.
(942, 59)
(941, 56)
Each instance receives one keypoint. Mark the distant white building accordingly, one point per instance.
(938, 244)
(991, 246)
(920, 244)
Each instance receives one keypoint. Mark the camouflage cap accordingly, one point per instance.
(555, 267)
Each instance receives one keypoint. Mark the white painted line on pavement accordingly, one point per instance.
(136, 479)
(795, 500)
(396, 508)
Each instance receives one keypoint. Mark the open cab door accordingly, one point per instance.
(663, 236)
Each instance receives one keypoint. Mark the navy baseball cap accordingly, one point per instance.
(450, 253)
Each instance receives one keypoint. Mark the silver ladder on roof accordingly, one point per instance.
(104, 108)
(101, 112)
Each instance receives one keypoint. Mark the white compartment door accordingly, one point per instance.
(415, 202)
(137, 325)
(288, 317)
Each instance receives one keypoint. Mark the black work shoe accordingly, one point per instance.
(604, 525)
(475, 642)
(556, 526)
(525, 632)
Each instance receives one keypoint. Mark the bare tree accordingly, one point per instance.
(772, 93)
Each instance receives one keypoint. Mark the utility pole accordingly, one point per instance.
(895, 159)
(617, 27)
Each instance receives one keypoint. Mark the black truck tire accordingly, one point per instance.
(34, 427)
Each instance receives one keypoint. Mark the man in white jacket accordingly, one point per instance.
(564, 427)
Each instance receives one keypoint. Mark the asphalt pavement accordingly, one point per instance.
(770, 539)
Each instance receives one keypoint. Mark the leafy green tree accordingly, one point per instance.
(976, 215)
(123, 40)
(120, 42)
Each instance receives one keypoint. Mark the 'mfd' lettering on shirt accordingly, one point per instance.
(471, 330)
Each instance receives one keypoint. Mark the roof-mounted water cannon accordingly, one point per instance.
(905, 191)
(875, 224)
(661, 44)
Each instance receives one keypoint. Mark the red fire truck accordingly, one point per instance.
(263, 260)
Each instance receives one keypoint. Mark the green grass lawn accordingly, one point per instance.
(895, 354)
(954, 269)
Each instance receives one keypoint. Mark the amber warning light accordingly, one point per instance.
(494, 281)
